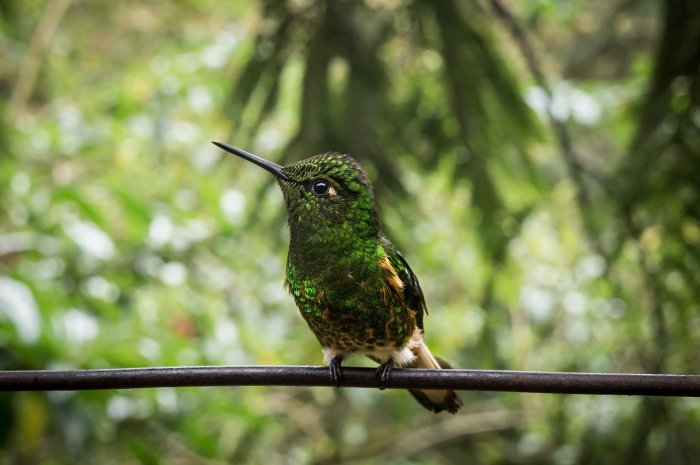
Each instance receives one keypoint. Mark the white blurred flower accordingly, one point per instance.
(567, 101)
(232, 204)
(160, 231)
(17, 304)
(79, 326)
(91, 239)
(173, 273)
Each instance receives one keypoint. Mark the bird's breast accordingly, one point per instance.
(348, 303)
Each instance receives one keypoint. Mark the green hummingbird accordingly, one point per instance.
(352, 286)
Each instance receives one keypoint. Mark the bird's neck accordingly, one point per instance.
(318, 247)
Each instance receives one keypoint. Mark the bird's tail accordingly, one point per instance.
(436, 400)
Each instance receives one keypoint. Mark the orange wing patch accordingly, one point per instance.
(390, 274)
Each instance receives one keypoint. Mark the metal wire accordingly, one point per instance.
(473, 380)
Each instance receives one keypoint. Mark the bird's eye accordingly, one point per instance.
(320, 187)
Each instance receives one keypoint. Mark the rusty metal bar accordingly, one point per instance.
(474, 380)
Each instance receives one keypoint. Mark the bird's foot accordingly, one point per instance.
(336, 371)
(383, 372)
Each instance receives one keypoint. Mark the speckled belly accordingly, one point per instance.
(356, 332)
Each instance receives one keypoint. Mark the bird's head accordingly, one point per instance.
(321, 191)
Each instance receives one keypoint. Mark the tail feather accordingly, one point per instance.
(436, 400)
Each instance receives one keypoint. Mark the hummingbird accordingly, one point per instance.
(353, 287)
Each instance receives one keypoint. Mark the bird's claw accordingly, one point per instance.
(336, 371)
(383, 372)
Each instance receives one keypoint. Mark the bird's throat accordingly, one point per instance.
(321, 251)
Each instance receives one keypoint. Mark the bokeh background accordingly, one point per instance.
(538, 163)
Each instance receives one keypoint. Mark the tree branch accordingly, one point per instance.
(33, 59)
(477, 380)
(577, 170)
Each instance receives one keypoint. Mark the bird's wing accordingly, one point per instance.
(412, 292)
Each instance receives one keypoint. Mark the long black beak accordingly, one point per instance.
(273, 168)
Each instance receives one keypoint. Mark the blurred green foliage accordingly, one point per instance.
(127, 240)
